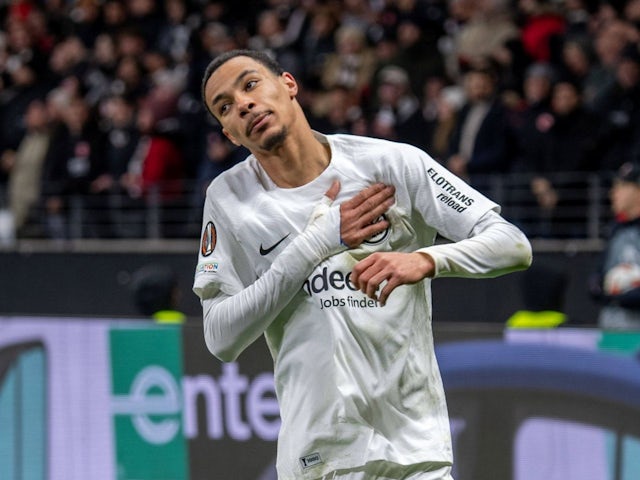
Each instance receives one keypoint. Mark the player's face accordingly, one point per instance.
(254, 106)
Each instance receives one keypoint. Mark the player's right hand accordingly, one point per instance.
(360, 215)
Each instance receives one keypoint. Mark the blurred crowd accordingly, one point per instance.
(100, 99)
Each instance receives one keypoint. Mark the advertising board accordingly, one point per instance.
(127, 399)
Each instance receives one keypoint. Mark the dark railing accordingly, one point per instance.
(578, 205)
(581, 212)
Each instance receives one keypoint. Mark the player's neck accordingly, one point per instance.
(300, 160)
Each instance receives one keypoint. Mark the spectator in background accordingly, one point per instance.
(22, 46)
(74, 160)
(570, 144)
(417, 52)
(221, 155)
(578, 63)
(616, 283)
(69, 58)
(532, 116)
(577, 14)
(118, 123)
(542, 28)
(114, 16)
(394, 104)
(86, 21)
(148, 18)
(431, 126)
(336, 110)
(386, 52)
(174, 38)
(23, 86)
(25, 174)
(459, 14)
(316, 43)
(130, 41)
(418, 127)
(618, 107)
(162, 71)
(39, 27)
(156, 293)
(632, 11)
(430, 16)
(209, 41)
(156, 173)
(480, 141)
(130, 78)
(488, 29)
(100, 69)
(352, 64)
(234, 15)
(14, 100)
(610, 39)
(214, 38)
(511, 64)
(270, 36)
(563, 147)
(527, 121)
(448, 104)
(357, 13)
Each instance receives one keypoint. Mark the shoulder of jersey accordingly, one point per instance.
(238, 174)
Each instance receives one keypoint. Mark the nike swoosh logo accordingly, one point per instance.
(267, 251)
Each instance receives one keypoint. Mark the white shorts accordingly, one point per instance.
(393, 471)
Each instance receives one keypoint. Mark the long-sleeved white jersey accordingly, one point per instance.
(356, 381)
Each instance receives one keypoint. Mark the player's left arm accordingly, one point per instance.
(495, 247)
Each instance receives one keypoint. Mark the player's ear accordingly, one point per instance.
(230, 137)
(290, 83)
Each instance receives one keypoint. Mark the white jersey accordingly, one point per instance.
(356, 381)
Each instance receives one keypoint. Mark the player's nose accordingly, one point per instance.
(245, 104)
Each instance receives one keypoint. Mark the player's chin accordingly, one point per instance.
(274, 140)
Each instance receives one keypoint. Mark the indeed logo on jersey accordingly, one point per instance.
(336, 280)
(326, 280)
(452, 197)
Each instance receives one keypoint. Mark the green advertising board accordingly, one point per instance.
(146, 370)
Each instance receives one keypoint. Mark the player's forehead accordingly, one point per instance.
(231, 74)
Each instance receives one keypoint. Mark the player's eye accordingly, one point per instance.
(224, 108)
(251, 84)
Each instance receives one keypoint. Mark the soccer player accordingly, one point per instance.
(325, 244)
